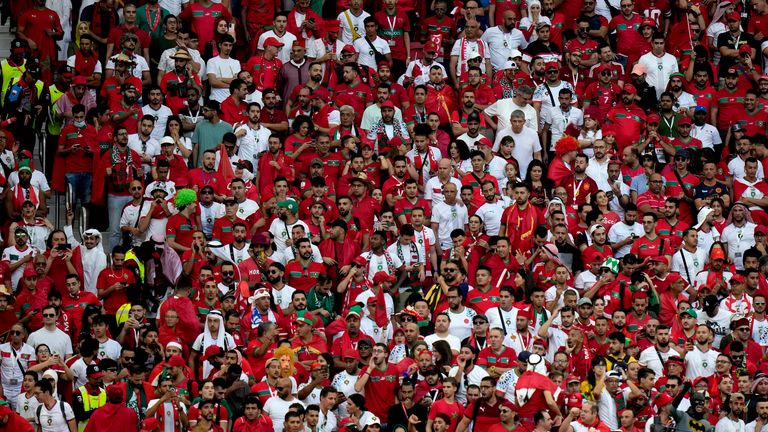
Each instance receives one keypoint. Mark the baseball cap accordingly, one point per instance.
(272, 41)
(94, 371)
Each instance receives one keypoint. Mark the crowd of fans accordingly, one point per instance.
(398, 215)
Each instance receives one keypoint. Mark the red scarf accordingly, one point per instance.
(20, 196)
(85, 64)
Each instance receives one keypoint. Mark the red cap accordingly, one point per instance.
(29, 271)
(717, 253)
(381, 277)
(761, 229)
(526, 313)
(431, 47)
(383, 63)
(602, 67)
(213, 351)
(551, 65)
(359, 261)
(332, 26)
(630, 89)
(737, 279)
(387, 104)
(660, 258)
(674, 277)
(348, 48)
(272, 41)
(663, 399)
(322, 94)
(648, 22)
(653, 118)
(80, 81)
(684, 120)
(733, 16)
(371, 300)
(608, 130)
(745, 49)
(176, 361)
(299, 43)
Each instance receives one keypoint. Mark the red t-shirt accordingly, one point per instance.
(380, 390)
(455, 411)
(628, 38)
(729, 104)
(116, 298)
(488, 358)
(203, 19)
(303, 279)
(233, 113)
(78, 161)
(393, 28)
(180, 229)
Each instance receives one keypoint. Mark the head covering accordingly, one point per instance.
(702, 216)
(184, 197)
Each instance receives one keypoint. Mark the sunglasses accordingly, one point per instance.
(207, 192)
(49, 315)
(227, 273)
(15, 332)
(136, 188)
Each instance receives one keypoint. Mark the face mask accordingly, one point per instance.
(80, 124)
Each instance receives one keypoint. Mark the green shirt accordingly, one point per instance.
(153, 22)
(208, 136)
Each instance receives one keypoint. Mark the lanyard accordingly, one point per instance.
(153, 25)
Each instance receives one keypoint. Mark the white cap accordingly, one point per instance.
(510, 65)
(515, 53)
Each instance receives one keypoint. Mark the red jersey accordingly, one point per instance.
(392, 28)
(202, 19)
(234, 113)
(730, 104)
(481, 302)
(303, 278)
(587, 48)
(265, 72)
(357, 95)
(488, 358)
(180, 228)
(75, 306)
(602, 98)
(754, 123)
(404, 207)
(78, 140)
(644, 248)
(628, 37)
(455, 411)
(380, 390)
(116, 298)
(628, 123)
(223, 229)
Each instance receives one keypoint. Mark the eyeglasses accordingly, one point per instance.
(136, 188)
(15, 332)
(206, 192)
(43, 351)
(759, 304)
(49, 315)
(227, 273)
(480, 322)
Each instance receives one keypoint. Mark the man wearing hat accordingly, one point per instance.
(602, 94)
(626, 117)
(89, 397)
(417, 71)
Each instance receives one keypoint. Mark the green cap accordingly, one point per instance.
(611, 264)
(289, 204)
(24, 165)
(355, 311)
(306, 317)
(691, 312)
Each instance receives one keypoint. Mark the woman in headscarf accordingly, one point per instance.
(528, 24)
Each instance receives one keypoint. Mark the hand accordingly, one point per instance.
(574, 413)
(329, 261)
(70, 217)
(32, 45)
(413, 419)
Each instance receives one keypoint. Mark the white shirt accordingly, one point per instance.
(281, 232)
(372, 115)
(658, 70)
(621, 231)
(11, 374)
(151, 148)
(419, 72)
(11, 255)
(161, 119)
(699, 363)
(453, 341)
(27, 408)
(222, 68)
(58, 342)
(720, 323)
(501, 43)
(473, 377)
(167, 413)
(694, 261)
(599, 173)
(503, 108)
(527, 145)
(739, 240)
(110, 348)
(345, 18)
(461, 322)
(378, 263)
(131, 215)
(38, 180)
(759, 331)
(725, 424)
(650, 358)
(284, 54)
(167, 64)
(558, 120)
(138, 70)
(736, 168)
(432, 152)
(750, 427)
(366, 55)
(491, 213)
(433, 191)
(53, 420)
(547, 95)
(276, 408)
(499, 318)
(344, 383)
(448, 218)
(471, 49)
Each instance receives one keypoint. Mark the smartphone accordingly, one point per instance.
(64, 246)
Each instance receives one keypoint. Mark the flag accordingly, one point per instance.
(225, 166)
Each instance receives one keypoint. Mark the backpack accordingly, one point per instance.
(40, 410)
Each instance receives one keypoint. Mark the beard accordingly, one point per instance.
(273, 279)
(663, 344)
